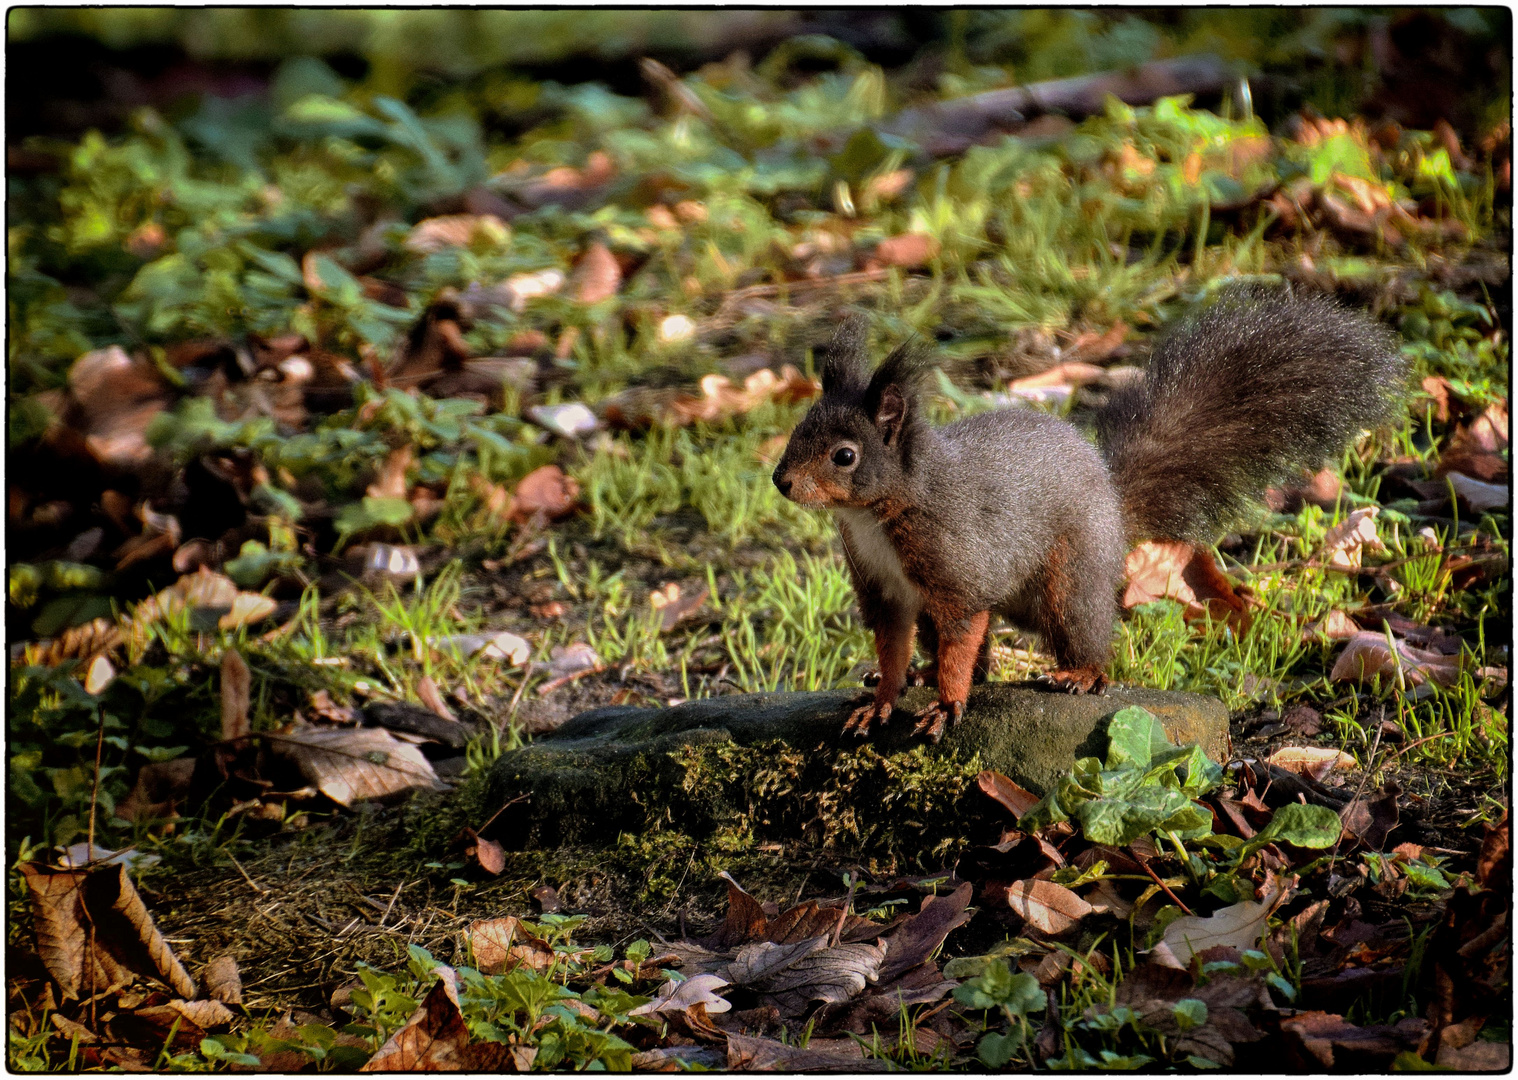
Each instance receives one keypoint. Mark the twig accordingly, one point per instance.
(89, 840)
(1156, 879)
(498, 813)
(393, 898)
(256, 886)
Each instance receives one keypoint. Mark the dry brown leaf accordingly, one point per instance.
(675, 996)
(502, 945)
(1335, 626)
(745, 1054)
(95, 638)
(204, 590)
(1319, 1040)
(745, 920)
(456, 230)
(1315, 762)
(831, 975)
(223, 980)
(545, 491)
(119, 397)
(236, 696)
(1104, 899)
(1047, 907)
(673, 607)
(432, 697)
(160, 785)
(569, 662)
(61, 925)
(351, 765)
(1238, 926)
(1173, 569)
(759, 960)
(1367, 656)
(100, 675)
(391, 481)
(1344, 542)
(434, 1038)
(1016, 798)
(125, 930)
(908, 251)
(1071, 374)
(71, 1029)
(597, 276)
(204, 1014)
(1370, 819)
(914, 941)
(490, 855)
(1477, 494)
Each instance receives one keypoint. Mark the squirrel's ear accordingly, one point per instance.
(893, 389)
(843, 360)
(890, 413)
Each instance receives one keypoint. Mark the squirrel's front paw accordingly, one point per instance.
(933, 720)
(863, 718)
(1077, 680)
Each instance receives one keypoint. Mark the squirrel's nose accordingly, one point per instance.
(783, 483)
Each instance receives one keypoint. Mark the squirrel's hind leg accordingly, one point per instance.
(1075, 612)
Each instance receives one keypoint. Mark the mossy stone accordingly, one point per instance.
(778, 765)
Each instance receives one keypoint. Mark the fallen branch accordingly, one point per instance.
(950, 127)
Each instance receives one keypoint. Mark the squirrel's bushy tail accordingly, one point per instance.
(1240, 396)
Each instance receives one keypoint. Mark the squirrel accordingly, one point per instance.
(1014, 512)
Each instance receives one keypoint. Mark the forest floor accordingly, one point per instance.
(352, 448)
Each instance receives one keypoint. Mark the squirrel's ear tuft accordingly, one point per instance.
(844, 366)
(892, 394)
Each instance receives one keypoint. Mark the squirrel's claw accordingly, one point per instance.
(866, 716)
(1076, 680)
(917, 676)
(937, 717)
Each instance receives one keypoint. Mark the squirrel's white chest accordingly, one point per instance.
(874, 556)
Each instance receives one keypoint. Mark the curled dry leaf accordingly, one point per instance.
(1016, 798)
(673, 607)
(569, 662)
(914, 941)
(720, 398)
(759, 960)
(1344, 543)
(1046, 906)
(545, 492)
(432, 697)
(831, 975)
(1370, 819)
(501, 945)
(100, 675)
(1335, 626)
(124, 929)
(456, 230)
(490, 855)
(1238, 926)
(1315, 762)
(204, 591)
(1173, 569)
(160, 785)
(436, 1039)
(502, 645)
(1367, 656)
(204, 1014)
(678, 996)
(236, 695)
(569, 421)
(61, 925)
(597, 276)
(908, 251)
(1477, 494)
(1319, 1040)
(352, 765)
(746, 1054)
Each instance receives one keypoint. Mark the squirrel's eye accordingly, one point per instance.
(843, 457)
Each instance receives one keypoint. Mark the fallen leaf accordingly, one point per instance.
(1318, 1040)
(1344, 543)
(597, 276)
(125, 930)
(569, 662)
(1154, 993)
(432, 697)
(1303, 719)
(1017, 799)
(433, 1039)
(675, 996)
(456, 230)
(746, 1054)
(201, 593)
(1369, 819)
(1478, 495)
(391, 482)
(118, 398)
(204, 1014)
(673, 607)
(72, 1030)
(1104, 899)
(489, 854)
(546, 899)
(1173, 569)
(501, 944)
(833, 974)
(1238, 926)
(1367, 656)
(94, 856)
(545, 491)
(1481, 1056)
(223, 980)
(352, 765)
(63, 940)
(916, 939)
(1335, 626)
(236, 696)
(1046, 906)
(759, 960)
(1315, 762)
(159, 787)
(745, 920)
(908, 251)
(1069, 374)
(99, 676)
(569, 421)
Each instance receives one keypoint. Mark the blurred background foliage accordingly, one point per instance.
(71, 68)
